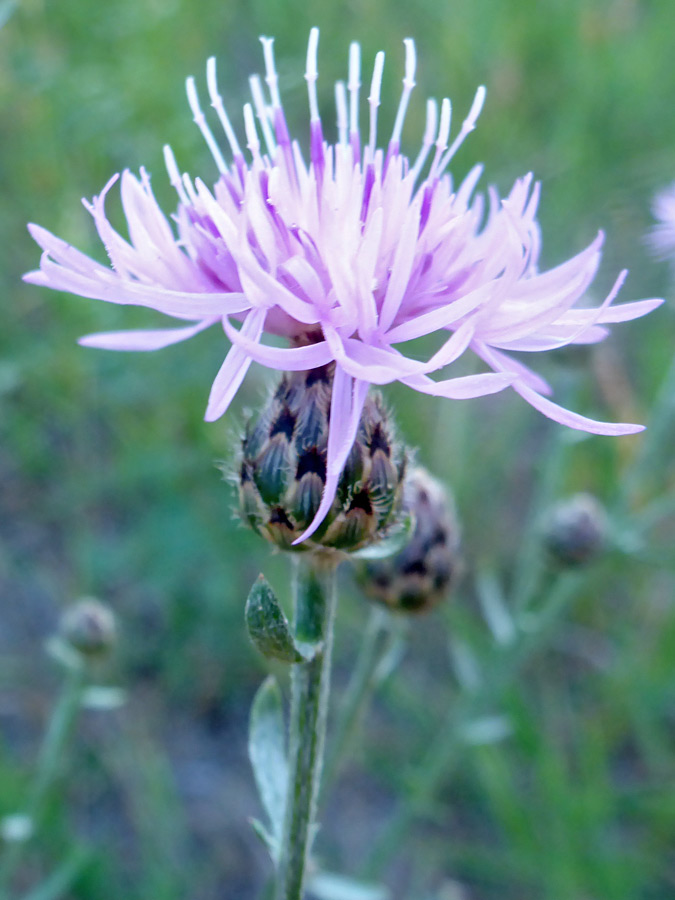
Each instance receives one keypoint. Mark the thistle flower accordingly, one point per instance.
(347, 255)
(661, 237)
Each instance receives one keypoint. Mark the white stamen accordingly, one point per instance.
(251, 132)
(262, 112)
(174, 174)
(443, 135)
(374, 100)
(408, 85)
(468, 126)
(202, 124)
(428, 139)
(217, 104)
(194, 200)
(342, 114)
(354, 86)
(270, 71)
(311, 74)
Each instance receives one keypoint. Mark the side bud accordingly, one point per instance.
(575, 530)
(283, 469)
(420, 575)
(88, 627)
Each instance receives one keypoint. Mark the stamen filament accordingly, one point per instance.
(200, 121)
(374, 102)
(217, 104)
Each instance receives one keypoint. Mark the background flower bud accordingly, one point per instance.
(575, 530)
(89, 627)
(420, 575)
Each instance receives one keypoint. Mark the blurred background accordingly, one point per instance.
(109, 484)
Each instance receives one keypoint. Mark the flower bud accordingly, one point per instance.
(283, 469)
(575, 530)
(418, 576)
(89, 627)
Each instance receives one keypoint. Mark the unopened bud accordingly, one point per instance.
(575, 530)
(283, 469)
(420, 575)
(88, 626)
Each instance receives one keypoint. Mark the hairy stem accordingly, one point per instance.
(310, 681)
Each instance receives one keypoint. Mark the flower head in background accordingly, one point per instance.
(348, 254)
(661, 237)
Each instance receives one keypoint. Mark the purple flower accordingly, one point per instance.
(661, 237)
(347, 255)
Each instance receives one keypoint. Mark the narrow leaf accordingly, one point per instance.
(270, 843)
(267, 752)
(267, 625)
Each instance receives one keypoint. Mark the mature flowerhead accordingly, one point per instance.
(348, 255)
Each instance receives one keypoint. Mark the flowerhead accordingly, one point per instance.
(661, 237)
(348, 254)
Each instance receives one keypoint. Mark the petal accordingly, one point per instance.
(500, 362)
(447, 312)
(143, 339)
(464, 387)
(233, 370)
(345, 413)
(104, 284)
(401, 269)
(571, 419)
(290, 359)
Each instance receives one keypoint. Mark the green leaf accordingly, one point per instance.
(325, 886)
(270, 843)
(390, 545)
(267, 625)
(267, 752)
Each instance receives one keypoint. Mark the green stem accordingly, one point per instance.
(50, 758)
(374, 646)
(315, 592)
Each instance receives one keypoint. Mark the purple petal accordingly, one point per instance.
(401, 269)
(143, 340)
(345, 412)
(106, 285)
(571, 419)
(289, 359)
(464, 387)
(448, 312)
(503, 363)
(624, 313)
(233, 370)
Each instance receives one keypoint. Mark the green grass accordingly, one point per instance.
(109, 484)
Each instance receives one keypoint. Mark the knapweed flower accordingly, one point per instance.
(348, 255)
(661, 237)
